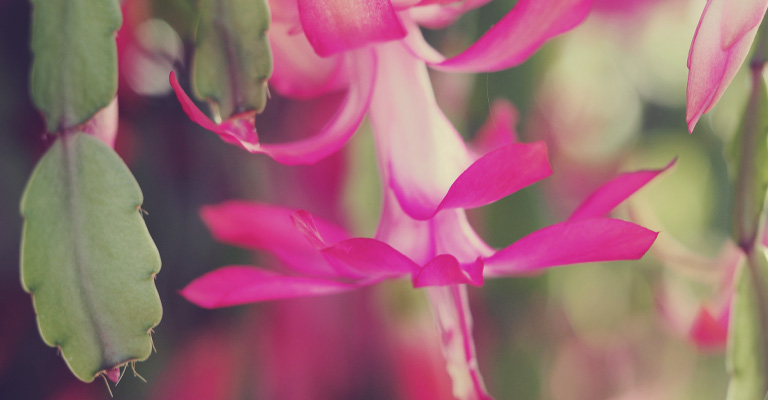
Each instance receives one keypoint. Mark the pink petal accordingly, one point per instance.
(240, 129)
(498, 129)
(441, 14)
(498, 174)
(369, 258)
(235, 285)
(299, 73)
(333, 26)
(492, 177)
(739, 17)
(710, 332)
(445, 270)
(519, 34)
(358, 257)
(611, 194)
(720, 46)
(572, 242)
(450, 307)
(263, 227)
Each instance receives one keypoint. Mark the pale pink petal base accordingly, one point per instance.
(450, 307)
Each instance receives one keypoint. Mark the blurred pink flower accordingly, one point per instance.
(720, 46)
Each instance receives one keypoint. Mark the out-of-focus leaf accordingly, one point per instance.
(87, 257)
(749, 159)
(74, 72)
(232, 59)
(746, 357)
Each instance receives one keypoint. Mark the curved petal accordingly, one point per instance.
(615, 191)
(235, 285)
(720, 46)
(240, 129)
(263, 227)
(334, 26)
(445, 270)
(572, 242)
(299, 73)
(709, 331)
(519, 34)
(498, 129)
(441, 14)
(498, 174)
(369, 258)
(357, 257)
(492, 177)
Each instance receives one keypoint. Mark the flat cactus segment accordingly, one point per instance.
(233, 60)
(74, 70)
(87, 257)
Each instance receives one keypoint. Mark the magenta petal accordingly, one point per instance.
(498, 174)
(611, 194)
(498, 129)
(333, 26)
(234, 285)
(708, 331)
(369, 258)
(264, 227)
(299, 73)
(572, 242)
(720, 46)
(519, 34)
(356, 257)
(492, 177)
(450, 307)
(240, 131)
(191, 109)
(445, 270)
(441, 14)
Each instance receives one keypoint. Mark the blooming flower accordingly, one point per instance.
(374, 51)
(720, 46)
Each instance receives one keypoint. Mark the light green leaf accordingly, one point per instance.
(746, 357)
(74, 71)
(749, 160)
(232, 61)
(87, 257)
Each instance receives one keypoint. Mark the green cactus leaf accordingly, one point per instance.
(74, 71)
(87, 257)
(746, 359)
(233, 60)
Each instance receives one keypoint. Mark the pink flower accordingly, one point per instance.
(720, 46)
(325, 47)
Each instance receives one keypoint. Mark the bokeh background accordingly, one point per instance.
(607, 97)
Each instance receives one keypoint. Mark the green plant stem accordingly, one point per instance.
(748, 210)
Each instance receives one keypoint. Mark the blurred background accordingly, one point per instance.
(607, 97)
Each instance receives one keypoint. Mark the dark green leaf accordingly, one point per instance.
(74, 72)
(232, 61)
(87, 258)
